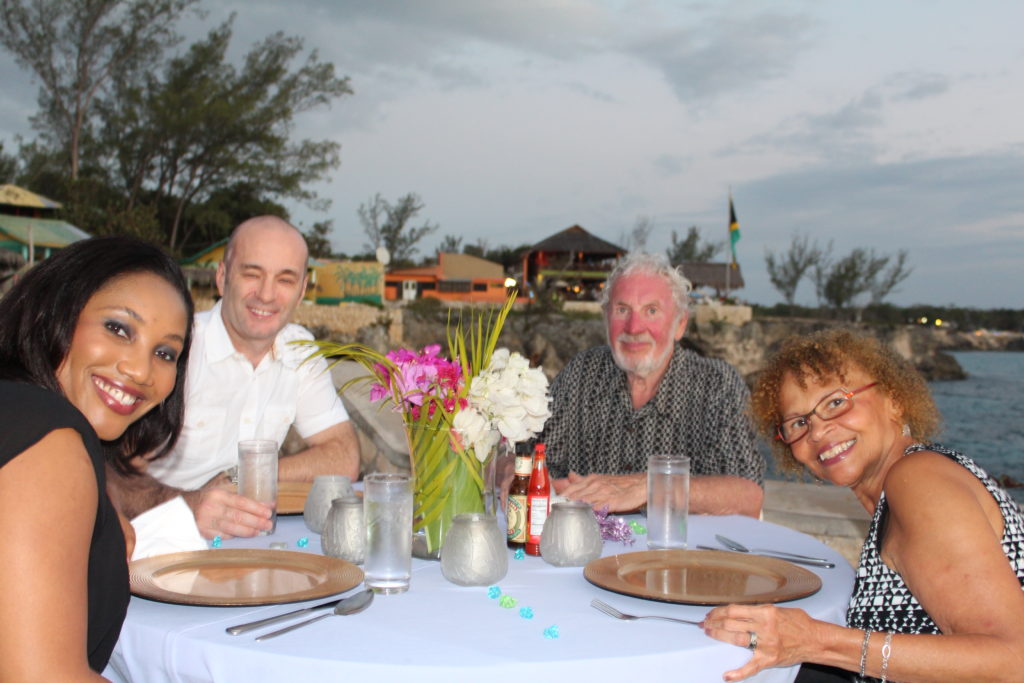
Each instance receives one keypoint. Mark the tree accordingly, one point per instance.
(8, 166)
(850, 276)
(77, 49)
(478, 248)
(786, 271)
(887, 281)
(690, 250)
(203, 126)
(316, 239)
(387, 225)
(636, 239)
(450, 244)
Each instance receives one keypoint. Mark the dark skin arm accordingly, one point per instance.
(48, 499)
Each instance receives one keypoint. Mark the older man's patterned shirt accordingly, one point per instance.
(700, 410)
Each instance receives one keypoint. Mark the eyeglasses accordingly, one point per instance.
(839, 402)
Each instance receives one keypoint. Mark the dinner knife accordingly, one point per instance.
(810, 561)
(243, 628)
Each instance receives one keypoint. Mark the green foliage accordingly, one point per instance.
(387, 225)
(177, 150)
(450, 244)
(786, 271)
(690, 249)
(317, 241)
(862, 271)
(8, 166)
(887, 314)
(204, 126)
(76, 50)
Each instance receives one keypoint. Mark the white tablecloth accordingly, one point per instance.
(438, 631)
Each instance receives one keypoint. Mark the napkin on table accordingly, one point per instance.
(168, 528)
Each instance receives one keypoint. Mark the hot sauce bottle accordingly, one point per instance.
(539, 500)
(515, 508)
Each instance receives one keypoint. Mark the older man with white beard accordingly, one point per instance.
(643, 394)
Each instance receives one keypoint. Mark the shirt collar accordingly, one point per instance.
(661, 402)
(218, 344)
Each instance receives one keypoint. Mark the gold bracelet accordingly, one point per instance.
(886, 651)
(864, 651)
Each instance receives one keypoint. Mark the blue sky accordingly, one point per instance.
(889, 125)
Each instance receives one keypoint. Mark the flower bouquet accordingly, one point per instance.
(455, 411)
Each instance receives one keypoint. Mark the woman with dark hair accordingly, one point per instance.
(938, 593)
(93, 349)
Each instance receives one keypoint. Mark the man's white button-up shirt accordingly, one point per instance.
(228, 400)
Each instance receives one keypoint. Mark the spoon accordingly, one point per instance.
(357, 603)
(792, 557)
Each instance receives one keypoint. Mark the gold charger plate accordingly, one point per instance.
(240, 576)
(702, 577)
(291, 496)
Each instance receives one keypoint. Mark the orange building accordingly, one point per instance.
(456, 277)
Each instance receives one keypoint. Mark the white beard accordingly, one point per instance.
(644, 366)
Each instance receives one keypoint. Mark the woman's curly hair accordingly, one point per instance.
(831, 354)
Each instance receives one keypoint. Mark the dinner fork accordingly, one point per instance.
(612, 612)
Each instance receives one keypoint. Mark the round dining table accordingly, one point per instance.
(438, 631)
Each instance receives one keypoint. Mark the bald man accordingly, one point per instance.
(247, 381)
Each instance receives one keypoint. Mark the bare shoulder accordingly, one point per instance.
(57, 465)
(926, 489)
(923, 474)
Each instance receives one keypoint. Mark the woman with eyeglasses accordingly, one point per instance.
(938, 595)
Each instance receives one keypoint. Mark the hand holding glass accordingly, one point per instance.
(257, 475)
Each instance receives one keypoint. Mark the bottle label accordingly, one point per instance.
(524, 465)
(538, 515)
(515, 510)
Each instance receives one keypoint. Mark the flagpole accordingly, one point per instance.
(728, 235)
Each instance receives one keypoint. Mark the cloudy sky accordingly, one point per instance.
(883, 124)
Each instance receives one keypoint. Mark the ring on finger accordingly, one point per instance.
(752, 645)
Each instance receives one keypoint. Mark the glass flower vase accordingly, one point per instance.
(447, 480)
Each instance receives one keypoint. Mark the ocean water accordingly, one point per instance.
(983, 415)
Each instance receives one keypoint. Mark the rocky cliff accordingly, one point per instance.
(551, 339)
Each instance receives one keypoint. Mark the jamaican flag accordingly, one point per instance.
(734, 230)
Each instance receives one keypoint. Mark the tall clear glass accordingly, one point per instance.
(387, 508)
(257, 475)
(668, 500)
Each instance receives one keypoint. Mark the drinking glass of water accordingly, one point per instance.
(668, 500)
(257, 475)
(387, 509)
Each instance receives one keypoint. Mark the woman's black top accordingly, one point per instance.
(30, 413)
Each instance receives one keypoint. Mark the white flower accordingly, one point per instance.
(508, 396)
(475, 430)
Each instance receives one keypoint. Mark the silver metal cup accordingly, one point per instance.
(326, 488)
(571, 536)
(344, 533)
(474, 552)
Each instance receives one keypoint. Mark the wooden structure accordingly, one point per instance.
(29, 226)
(456, 277)
(573, 262)
(722, 277)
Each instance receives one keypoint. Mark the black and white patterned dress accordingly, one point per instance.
(881, 600)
